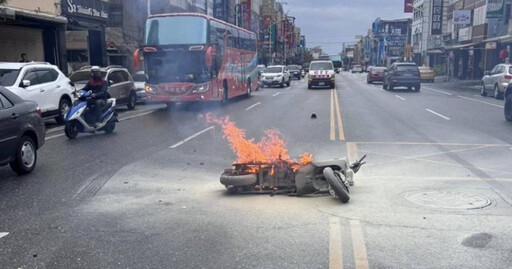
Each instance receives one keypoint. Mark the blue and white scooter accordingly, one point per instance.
(79, 118)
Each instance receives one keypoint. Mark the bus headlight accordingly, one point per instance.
(150, 89)
(201, 89)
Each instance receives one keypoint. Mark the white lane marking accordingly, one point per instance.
(191, 137)
(258, 103)
(400, 97)
(3, 234)
(382, 90)
(439, 91)
(483, 102)
(276, 94)
(54, 130)
(437, 114)
(123, 119)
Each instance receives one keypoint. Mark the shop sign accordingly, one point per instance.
(490, 45)
(461, 16)
(91, 9)
(408, 6)
(495, 9)
(437, 17)
(465, 34)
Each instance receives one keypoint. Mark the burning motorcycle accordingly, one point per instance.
(282, 177)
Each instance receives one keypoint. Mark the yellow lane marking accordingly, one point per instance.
(333, 127)
(434, 178)
(352, 153)
(338, 114)
(432, 144)
(360, 256)
(335, 254)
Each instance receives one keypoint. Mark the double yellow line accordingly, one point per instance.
(336, 117)
(335, 244)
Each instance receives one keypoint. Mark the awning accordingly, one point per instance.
(461, 46)
(504, 39)
(33, 15)
(435, 51)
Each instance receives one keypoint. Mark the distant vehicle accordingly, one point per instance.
(401, 74)
(427, 73)
(276, 75)
(185, 58)
(22, 132)
(357, 69)
(139, 79)
(496, 80)
(294, 71)
(120, 83)
(40, 82)
(376, 73)
(321, 73)
(337, 66)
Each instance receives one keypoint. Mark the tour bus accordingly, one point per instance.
(190, 57)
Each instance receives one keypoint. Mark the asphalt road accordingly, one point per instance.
(436, 192)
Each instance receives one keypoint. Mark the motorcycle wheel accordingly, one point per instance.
(336, 184)
(109, 127)
(71, 129)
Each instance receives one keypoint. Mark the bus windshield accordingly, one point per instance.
(176, 30)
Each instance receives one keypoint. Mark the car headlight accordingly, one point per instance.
(279, 76)
(201, 89)
(150, 89)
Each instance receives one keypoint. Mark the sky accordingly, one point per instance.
(329, 23)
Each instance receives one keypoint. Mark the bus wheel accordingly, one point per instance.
(249, 89)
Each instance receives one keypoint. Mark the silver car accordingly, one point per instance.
(497, 80)
(120, 83)
(140, 83)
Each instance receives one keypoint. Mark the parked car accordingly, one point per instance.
(139, 79)
(275, 75)
(401, 74)
(42, 83)
(321, 73)
(22, 132)
(357, 68)
(427, 73)
(375, 74)
(294, 71)
(496, 80)
(508, 103)
(120, 83)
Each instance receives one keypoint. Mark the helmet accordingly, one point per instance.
(95, 72)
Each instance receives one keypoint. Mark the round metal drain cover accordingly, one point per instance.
(448, 199)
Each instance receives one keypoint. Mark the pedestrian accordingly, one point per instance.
(24, 58)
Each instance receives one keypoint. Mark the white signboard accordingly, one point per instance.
(462, 17)
(465, 33)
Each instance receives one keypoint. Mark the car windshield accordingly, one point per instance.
(321, 66)
(139, 77)
(274, 69)
(82, 77)
(406, 67)
(8, 76)
(256, 134)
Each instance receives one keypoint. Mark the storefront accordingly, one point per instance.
(39, 35)
(85, 34)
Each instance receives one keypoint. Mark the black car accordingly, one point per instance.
(402, 75)
(295, 71)
(22, 132)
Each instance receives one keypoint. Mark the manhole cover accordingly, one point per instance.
(448, 199)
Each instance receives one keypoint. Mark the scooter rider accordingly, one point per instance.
(98, 86)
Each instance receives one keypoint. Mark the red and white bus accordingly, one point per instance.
(191, 57)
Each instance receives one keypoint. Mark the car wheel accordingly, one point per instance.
(289, 82)
(309, 86)
(508, 107)
(249, 89)
(483, 92)
(71, 129)
(384, 86)
(133, 101)
(390, 87)
(417, 88)
(336, 184)
(333, 85)
(26, 156)
(64, 106)
(110, 126)
(369, 81)
(282, 83)
(497, 94)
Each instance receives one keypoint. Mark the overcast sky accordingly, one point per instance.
(327, 21)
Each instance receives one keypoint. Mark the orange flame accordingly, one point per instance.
(271, 147)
